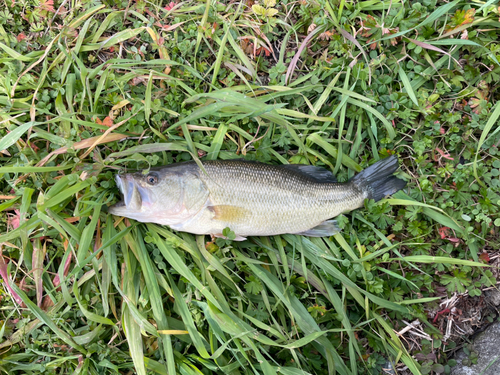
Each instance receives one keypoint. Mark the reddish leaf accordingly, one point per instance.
(170, 6)
(14, 220)
(443, 154)
(368, 27)
(57, 280)
(106, 122)
(445, 311)
(262, 51)
(21, 37)
(443, 232)
(6, 279)
(47, 5)
(168, 27)
(485, 257)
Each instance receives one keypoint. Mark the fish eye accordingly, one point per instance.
(151, 179)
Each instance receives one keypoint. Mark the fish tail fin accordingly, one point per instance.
(378, 180)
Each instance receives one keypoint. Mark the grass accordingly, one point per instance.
(90, 88)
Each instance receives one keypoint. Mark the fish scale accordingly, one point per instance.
(277, 200)
(250, 198)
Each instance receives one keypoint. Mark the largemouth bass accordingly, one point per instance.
(251, 198)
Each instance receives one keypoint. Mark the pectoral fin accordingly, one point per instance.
(325, 229)
(229, 214)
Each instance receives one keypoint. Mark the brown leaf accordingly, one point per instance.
(106, 122)
(38, 256)
(311, 28)
(7, 197)
(469, 16)
(327, 35)
(21, 37)
(485, 257)
(105, 138)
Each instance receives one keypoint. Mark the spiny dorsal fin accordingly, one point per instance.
(318, 174)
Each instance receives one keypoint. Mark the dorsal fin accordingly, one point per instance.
(318, 174)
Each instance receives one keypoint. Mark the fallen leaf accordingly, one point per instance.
(485, 257)
(38, 257)
(108, 121)
(105, 138)
(20, 37)
(443, 232)
(311, 28)
(327, 35)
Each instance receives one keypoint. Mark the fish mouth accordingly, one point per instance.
(135, 197)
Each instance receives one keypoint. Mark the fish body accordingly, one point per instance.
(251, 198)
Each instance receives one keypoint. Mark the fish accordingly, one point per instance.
(250, 198)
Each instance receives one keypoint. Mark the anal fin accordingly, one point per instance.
(325, 229)
(237, 238)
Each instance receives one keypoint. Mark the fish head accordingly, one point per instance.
(156, 196)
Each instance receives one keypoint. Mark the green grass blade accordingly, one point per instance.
(387, 124)
(14, 136)
(217, 142)
(137, 243)
(147, 97)
(493, 119)
(133, 334)
(346, 160)
(407, 85)
(443, 260)
(43, 317)
(88, 314)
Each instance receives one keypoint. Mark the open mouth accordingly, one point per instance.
(131, 197)
(134, 196)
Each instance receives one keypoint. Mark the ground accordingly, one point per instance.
(92, 88)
